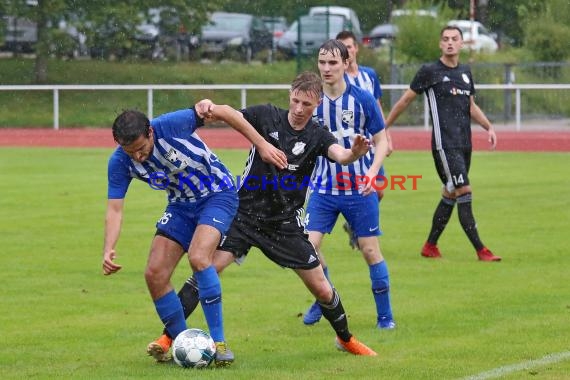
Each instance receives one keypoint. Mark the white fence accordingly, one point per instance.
(243, 88)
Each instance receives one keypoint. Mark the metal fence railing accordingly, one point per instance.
(502, 98)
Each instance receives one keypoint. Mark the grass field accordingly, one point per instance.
(457, 317)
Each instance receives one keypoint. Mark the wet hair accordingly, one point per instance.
(451, 27)
(345, 35)
(331, 46)
(308, 81)
(129, 126)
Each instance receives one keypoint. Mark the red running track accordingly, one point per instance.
(404, 139)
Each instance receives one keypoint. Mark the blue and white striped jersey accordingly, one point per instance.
(354, 112)
(366, 79)
(181, 163)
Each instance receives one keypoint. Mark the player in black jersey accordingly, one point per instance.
(271, 201)
(450, 90)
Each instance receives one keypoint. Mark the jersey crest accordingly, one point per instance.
(298, 148)
(347, 116)
(172, 156)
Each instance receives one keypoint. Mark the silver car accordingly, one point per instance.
(314, 31)
(235, 34)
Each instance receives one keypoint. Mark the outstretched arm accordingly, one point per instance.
(380, 153)
(400, 106)
(113, 220)
(345, 156)
(210, 111)
(479, 117)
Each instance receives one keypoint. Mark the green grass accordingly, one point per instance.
(99, 108)
(61, 318)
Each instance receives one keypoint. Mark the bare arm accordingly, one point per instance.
(345, 156)
(210, 111)
(380, 150)
(400, 106)
(388, 136)
(113, 220)
(479, 117)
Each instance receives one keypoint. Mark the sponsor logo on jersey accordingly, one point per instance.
(292, 167)
(458, 91)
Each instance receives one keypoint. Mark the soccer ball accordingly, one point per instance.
(193, 348)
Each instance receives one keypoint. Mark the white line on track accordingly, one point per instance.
(526, 365)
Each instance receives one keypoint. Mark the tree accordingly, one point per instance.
(418, 36)
(110, 20)
(548, 35)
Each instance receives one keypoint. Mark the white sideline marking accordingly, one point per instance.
(500, 371)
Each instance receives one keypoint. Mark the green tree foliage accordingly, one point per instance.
(418, 36)
(547, 36)
(508, 18)
(108, 23)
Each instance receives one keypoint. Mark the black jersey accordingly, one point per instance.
(270, 194)
(448, 90)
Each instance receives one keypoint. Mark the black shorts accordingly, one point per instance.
(285, 243)
(452, 166)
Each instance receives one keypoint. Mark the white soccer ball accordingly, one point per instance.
(193, 348)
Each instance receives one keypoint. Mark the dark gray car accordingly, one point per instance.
(235, 35)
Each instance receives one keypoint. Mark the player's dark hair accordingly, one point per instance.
(345, 35)
(331, 46)
(451, 27)
(308, 81)
(129, 126)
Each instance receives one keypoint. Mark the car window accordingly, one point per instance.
(319, 24)
(258, 25)
(228, 23)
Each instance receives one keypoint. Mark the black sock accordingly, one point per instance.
(188, 297)
(440, 218)
(467, 220)
(334, 313)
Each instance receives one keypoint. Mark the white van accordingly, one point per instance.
(348, 13)
(476, 36)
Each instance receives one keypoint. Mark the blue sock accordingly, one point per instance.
(381, 289)
(170, 311)
(210, 291)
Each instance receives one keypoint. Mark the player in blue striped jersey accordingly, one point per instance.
(271, 202)
(347, 110)
(202, 202)
(364, 77)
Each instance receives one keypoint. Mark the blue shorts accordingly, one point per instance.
(361, 212)
(180, 219)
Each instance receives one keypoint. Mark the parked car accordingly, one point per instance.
(20, 34)
(381, 35)
(277, 26)
(352, 22)
(164, 30)
(313, 33)
(235, 35)
(476, 36)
